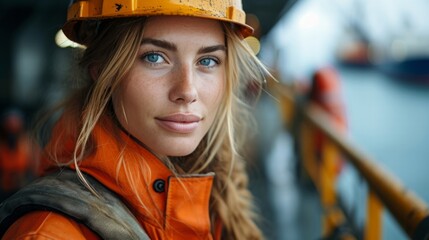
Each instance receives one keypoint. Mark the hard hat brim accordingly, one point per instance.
(81, 11)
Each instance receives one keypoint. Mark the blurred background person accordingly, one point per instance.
(17, 154)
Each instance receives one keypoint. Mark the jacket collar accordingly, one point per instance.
(173, 205)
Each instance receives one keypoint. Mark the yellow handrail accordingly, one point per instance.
(409, 210)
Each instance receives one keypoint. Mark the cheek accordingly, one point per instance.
(214, 100)
(131, 90)
(220, 94)
(215, 90)
(117, 103)
(123, 100)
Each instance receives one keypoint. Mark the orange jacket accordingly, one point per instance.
(173, 207)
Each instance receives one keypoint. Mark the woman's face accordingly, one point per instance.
(170, 97)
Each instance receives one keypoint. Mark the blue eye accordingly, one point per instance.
(153, 58)
(208, 62)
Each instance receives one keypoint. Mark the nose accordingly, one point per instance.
(183, 88)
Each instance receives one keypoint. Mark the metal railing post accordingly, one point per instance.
(374, 214)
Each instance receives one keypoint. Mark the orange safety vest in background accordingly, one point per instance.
(174, 207)
(326, 93)
(15, 164)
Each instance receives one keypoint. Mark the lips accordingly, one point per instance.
(179, 123)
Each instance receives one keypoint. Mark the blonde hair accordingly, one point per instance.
(111, 52)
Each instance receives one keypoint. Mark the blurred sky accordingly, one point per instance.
(311, 32)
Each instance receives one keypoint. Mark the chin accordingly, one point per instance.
(180, 153)
(175, 147)
(180, 149)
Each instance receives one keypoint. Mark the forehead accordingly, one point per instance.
(183, 27)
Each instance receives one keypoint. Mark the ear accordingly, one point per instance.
(93, 72)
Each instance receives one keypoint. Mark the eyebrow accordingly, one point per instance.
(210, 49)
(172, 47)
(160, 43)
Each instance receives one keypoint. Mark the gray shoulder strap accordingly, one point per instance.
(64, 193)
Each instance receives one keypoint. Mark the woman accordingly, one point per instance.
(159, 121)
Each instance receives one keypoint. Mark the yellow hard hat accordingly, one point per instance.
(223, 10)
